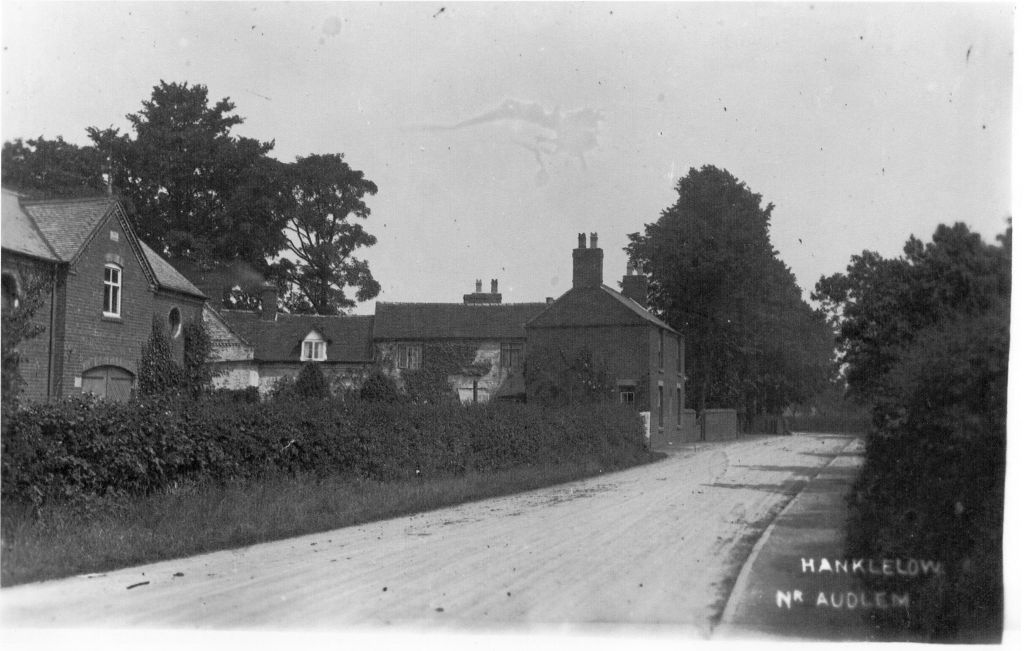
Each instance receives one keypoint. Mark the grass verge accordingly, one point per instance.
(105, 534)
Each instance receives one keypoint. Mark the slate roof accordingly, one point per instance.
(20, 233)
(348, 337)
(66, 224)
(590, 307)
(166, 275)
(453, 320)
(58, 230)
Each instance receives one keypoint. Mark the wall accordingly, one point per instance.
(720, 424)
(666, 371)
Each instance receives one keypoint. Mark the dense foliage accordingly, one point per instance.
(53, 168)
(311, 383)
(752, 342)
(86, 447)
(202, 195)
(19, 325)
(158, 371)
(327, 196)
(925, 339)
(196, 373)
(559, 376)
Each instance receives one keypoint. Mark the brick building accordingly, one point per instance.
(640, 354)
(104, 288)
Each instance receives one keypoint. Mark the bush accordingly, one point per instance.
(311, 382)
(379, 387)
(84, 447)
(158, 372)
(933, 476)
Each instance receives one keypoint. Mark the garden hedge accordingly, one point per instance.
(88, 447)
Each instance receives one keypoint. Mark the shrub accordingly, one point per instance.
(379, 387)
(18, 326)
(196, 370)
(933, 476)
(311, 382)
(158, 372)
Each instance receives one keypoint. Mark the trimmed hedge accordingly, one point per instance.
(84, 447)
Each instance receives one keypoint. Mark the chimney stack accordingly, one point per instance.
(480, 298)
(587, 264)
(634, 286)
(268, 302)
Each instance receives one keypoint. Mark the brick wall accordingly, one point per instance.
(88, 338)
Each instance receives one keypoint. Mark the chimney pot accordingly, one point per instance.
(494, 285)
(268, 301)
(549, 300)
(479, 286)
(593, 240)
(583, 241)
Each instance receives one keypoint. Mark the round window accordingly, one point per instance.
(174, 320)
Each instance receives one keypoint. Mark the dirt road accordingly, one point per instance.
(660, 544)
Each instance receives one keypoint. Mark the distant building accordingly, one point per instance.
(105, 288)
(640, 354)
(258, 348)
(476, 350)
(479, 343)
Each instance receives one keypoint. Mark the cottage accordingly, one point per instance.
(639, 354)
(473, 349)
(259, 348)
(103, 288)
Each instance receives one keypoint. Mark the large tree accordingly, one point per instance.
(751, 341)
(53, 168)
(323, 234)
(195, 190)
(880, 304)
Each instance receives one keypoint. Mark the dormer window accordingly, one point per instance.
(112, 291)
(314, 348)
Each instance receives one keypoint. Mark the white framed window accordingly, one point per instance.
(409, 356)
(112, 290)
(314, 348)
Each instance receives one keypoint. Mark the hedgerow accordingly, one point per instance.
(84, 447)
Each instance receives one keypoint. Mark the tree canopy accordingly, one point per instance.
(53, 168)
(326, 197)
(217, 201)
(880, 304)
(751, 340)
(195, 190)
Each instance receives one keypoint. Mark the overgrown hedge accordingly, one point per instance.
(84, 447)
(932, 482)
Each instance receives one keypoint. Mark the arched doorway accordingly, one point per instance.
(109, 382)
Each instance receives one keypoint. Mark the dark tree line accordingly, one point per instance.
(924, 339)
(199, 193)
(751, 340)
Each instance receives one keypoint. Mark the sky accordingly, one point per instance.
(497, 132)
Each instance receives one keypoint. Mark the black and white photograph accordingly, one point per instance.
(381, 324)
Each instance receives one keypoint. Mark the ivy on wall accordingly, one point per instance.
(440, 360)
(556, 375)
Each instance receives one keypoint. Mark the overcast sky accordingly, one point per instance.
(863, 123)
